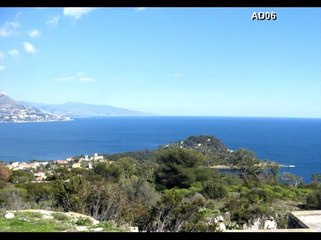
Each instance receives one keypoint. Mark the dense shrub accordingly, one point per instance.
(314, 199)
(213, 190)
(14, 198)
(21, 176)
(109, 171)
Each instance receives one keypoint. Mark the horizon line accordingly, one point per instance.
(218, 116)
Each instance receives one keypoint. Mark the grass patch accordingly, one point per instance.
(60, 217)
(33, 222)
(23, 225)
(82, 221)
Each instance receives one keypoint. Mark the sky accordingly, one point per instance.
(167, 61)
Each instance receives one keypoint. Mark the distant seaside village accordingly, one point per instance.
(41, 170)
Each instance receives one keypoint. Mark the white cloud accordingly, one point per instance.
(2, 68)
(53, 21)
(139, 9)
(9, 28)
(76, 77)
(1, 55)
(76, 12)
(83, 77)
(86, 79)
(34, 33)
(14, 53)
(29, 47)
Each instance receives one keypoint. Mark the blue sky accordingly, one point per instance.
(169, 61)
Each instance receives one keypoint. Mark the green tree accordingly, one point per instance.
(109, 171)
(128, 166)
(252, 169)
(291, 179)
(71, 194)
(245, 162)
(146, 170)
(20, 176)
(316, 179)
(243, 158)
(61, 173)
(177, 167)
(314, 199)
(318, 194)
(271, 172)
(39, 192)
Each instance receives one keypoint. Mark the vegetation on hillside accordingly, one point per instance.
(169, 189)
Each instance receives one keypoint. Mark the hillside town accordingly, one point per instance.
(28, 114)
(14, 112)
(42, 169)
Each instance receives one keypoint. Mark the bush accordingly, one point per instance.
(4, 173)
(39, 192)
(178, 210)
(282, 221)
(244, 190)
(110, 172)
(2, 184)
(314, 199)
(13, 199)
(71, 195)
(21, 176)
(213, 190)
(196, 187)
(230, 179)
(268, 194)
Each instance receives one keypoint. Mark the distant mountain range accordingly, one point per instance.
(75, 109)
(23, 111)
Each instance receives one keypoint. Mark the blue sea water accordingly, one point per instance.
(285, 140)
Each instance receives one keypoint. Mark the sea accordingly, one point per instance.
(293, 142)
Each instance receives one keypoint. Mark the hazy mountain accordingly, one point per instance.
(75, 109)
(8, 102)
(12, 111)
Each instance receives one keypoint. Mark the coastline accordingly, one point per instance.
(24, 142)
(231, 167)
(66, 120)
